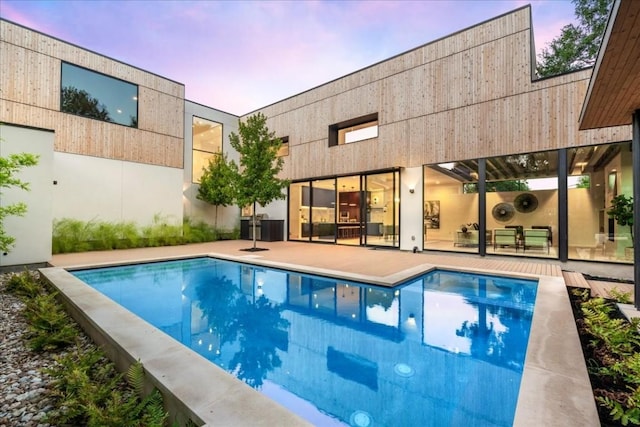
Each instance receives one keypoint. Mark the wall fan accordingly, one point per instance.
(525, 203)
(503, 212)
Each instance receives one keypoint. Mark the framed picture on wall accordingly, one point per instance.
(432, 214)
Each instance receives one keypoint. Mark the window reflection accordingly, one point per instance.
(597, 174)
(98, 96)
(207, 142)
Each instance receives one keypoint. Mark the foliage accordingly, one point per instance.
(619, 296)
(584, 182)
(80, 102)
(616, 348)
(217, 183)
(495, 186)
(578, 44)
(622, 211)
(49, 325)
(25, 285)
(257, 179)
(9, 167)
(72, 235)
(89, 391)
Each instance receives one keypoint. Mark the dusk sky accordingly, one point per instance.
(238, 56)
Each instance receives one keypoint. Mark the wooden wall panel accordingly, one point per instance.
(470, 95)
(80, 135)
(30, 96)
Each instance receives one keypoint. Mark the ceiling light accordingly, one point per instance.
(448, 166)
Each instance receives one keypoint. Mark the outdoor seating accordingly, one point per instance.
(536, 238)
(505, 237)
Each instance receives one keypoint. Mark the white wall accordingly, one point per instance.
(229, 216)
(91, 188)
(411, 209)
(33, 230)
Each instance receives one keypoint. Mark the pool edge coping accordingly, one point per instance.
(552, 391)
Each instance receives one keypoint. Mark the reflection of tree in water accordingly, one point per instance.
(258, 327)
(262, 329)
(217, 298)
(503, 348)
(77, 101)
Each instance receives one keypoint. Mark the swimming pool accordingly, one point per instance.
(444, 348)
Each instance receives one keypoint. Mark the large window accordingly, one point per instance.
(98, 96)
(451, 207)
(522, 204)
(597, 175)
(359, 129)
(207, 142)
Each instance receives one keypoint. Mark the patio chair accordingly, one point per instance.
(505, 237)
(536, 238)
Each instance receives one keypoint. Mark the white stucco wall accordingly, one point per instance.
(33, 230)
(92, 188)
(411, 233)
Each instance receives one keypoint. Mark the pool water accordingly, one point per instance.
(443, 349)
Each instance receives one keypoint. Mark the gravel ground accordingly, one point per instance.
(23, 384)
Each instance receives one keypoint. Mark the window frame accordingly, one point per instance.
(105, 77)
(334, 129)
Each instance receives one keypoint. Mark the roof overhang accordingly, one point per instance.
(614, 89)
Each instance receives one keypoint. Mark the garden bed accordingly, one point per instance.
(611, 348)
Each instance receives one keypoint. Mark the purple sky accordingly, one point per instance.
(238, 56)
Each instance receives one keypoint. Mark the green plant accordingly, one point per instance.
(620, 296)
(622, 212)
(49, 325)
(25, 285)
(9, 167)
(617, 342)
(89, 391)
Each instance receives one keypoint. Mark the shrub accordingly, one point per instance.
(70, 235)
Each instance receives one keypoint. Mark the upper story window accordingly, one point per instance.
(98, 96)
(284, 148)
(359, 129)
(207, 142)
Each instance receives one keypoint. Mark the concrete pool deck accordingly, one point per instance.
(555, 388)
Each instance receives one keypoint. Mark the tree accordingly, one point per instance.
(622, 212)
(9, 166)
(257, 179)
(577, 46)
(216, 184)
(80, 102)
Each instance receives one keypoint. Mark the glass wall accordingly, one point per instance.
(349, 210)
(323, 210)
(98, 96)
(382, 209)
(451, 207)
(207, 142)
(299, 214)
(597, 176)
(522, 204)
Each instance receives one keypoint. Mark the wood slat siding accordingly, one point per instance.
(30, 96)
(466, 96)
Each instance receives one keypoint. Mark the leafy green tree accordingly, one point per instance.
(495, 186)
(216, 183)
(257, 179)
(584, 182)
(9, 166)
(80, 102)
(577, 45)
(622, 211)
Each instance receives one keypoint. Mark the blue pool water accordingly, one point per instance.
(443, 349)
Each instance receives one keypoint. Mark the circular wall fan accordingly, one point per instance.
(525, 203)
(503, 212)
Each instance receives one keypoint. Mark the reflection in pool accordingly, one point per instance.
(442, 349)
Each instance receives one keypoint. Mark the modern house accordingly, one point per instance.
(455, 145)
